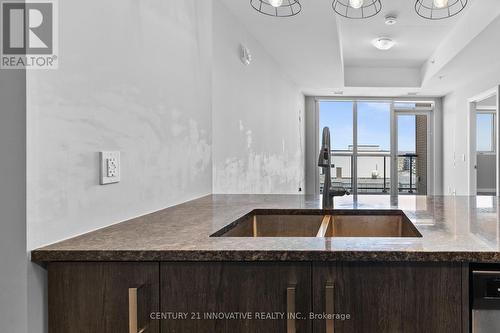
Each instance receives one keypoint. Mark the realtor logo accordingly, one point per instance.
(29, 34)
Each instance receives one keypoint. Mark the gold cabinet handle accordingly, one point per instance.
(133, 313)
(290, 309)
(132, 310)
(330, 307)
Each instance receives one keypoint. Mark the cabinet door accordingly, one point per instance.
(389, 297)
(103, 297)
(235, 297)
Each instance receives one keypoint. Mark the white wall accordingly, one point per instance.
(134, 76)
(456, 128)
(258, 108)
(382, 77)
(13, 258)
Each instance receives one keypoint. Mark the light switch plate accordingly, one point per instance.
(110, 167)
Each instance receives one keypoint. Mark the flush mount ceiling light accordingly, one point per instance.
(277, 8)
(383, 43)
(357, 9)
(439, 9)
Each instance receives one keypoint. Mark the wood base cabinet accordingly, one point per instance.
(255, 297)
(103, 297)
(236, 297)
(389, 297)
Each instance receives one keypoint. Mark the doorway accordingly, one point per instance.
(483, 143)
(412, 151)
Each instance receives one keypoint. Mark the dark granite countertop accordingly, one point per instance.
(453, 229)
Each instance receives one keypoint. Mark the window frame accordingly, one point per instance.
(493, 150)
(425, 106)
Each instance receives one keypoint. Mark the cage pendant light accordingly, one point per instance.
(439, 9)
(367, 8)
(277, 8)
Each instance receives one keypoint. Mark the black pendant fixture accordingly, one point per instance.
(357, 9)
(277, 8)
(439, 9)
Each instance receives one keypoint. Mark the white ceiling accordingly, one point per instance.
(307, 45)
(324, 52)
(416, 37)
(489, 102)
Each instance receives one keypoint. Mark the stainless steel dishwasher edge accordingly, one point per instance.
(485, 301)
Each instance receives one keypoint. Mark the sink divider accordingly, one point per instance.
(324, 226)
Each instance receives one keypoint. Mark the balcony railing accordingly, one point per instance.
(374, 172)
(407, 173)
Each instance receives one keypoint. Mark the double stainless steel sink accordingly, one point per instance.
(337, 223)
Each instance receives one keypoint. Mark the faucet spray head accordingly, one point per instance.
(324, 154)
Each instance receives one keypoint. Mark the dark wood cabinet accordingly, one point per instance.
(103, 297)
(248, 297)
(265, 291)
(390, 297)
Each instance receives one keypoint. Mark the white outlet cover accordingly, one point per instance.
(110, 167)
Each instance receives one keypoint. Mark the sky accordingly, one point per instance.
(373, 125)
(484, 132)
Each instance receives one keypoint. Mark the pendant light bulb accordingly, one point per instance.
(276, 3)
(356, 4)
(440, 3)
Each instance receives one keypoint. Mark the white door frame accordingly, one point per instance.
(471, 139)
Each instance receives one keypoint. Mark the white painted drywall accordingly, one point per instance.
(311, 145)
(258, 130)
(382, 77)
(134, 76)
(456, 128)
(13, 256)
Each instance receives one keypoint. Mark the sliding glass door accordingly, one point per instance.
(338, 116)
(368, 138)
(373, 147)
(412, 152)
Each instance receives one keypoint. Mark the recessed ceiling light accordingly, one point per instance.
(412, 94)
(391, 20)
(383, 43)
(338, 92)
